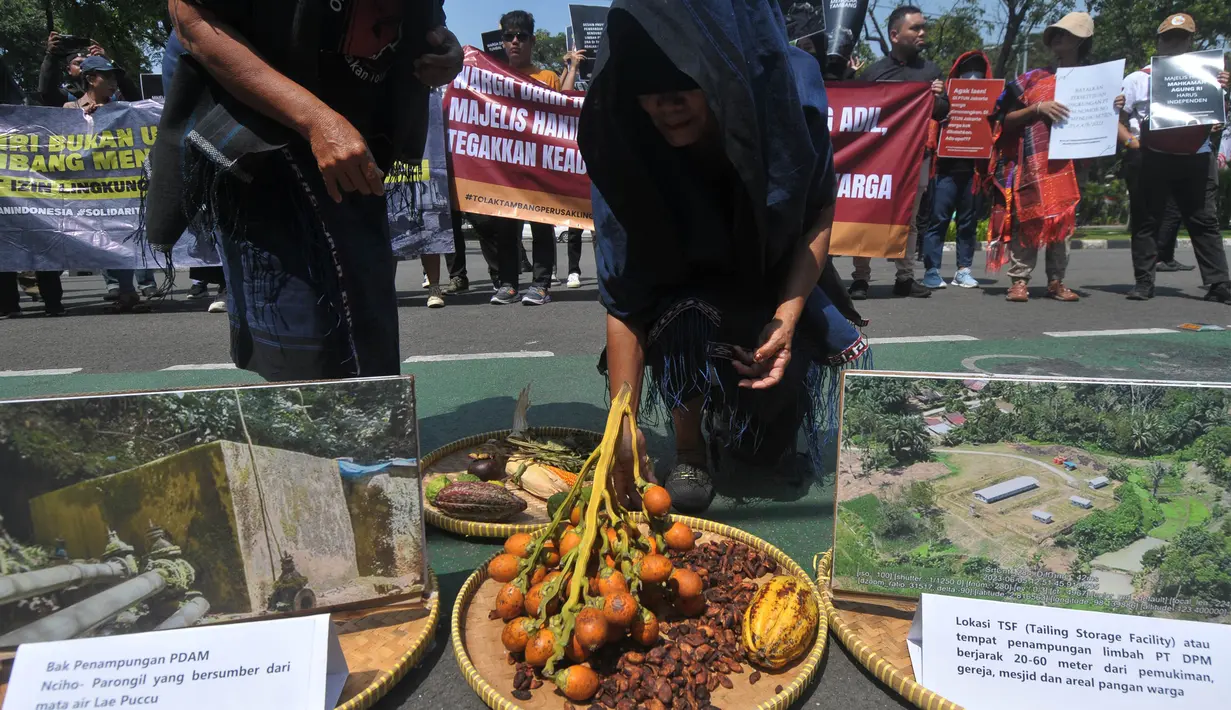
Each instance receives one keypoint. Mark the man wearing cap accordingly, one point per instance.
(62, 54)
(1176, 164)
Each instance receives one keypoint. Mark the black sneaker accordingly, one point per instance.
(1173, 265)
(198, 291)
(504, 296)
(458, 284)
(690, 488)
(911, 288)
(858, 290)
(53, 311)
(10, 315)
(1219, 292)
(536, 296)
(1141, 292)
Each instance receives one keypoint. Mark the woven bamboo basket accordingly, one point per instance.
(452, 458)
(471, 619)
(876, 635)
(381, 645)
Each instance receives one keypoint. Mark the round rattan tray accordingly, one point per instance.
(876, 635)
(470, 620)
(381, 645)
(452, 459)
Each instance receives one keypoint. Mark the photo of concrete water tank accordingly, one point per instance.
(135, 512)
(1091, 494)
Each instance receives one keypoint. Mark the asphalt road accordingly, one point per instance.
(181, 333)
(555, 347)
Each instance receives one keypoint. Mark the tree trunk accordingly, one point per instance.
(1012, 27)
(880, 36)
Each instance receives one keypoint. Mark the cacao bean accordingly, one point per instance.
(752, 679)
(634, 658)
(726, 682)
(521, 694)
(778, 690)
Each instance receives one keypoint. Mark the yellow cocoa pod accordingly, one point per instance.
(780, 622)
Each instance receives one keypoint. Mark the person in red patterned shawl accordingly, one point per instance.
(1035, 199)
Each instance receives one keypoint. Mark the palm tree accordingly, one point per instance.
(1145, 431)
(907, 438)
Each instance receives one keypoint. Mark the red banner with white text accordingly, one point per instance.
(513, 146)
(879, 132)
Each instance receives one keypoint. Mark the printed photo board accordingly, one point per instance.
(134, 512)
(1085, 494)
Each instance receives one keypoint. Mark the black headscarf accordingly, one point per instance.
(771, 109)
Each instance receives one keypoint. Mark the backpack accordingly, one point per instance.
(1177, 141)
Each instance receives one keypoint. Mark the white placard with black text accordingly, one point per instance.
(1089, 93)
(283, 663)
(986, 655)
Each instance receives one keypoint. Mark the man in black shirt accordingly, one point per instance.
(907, 34)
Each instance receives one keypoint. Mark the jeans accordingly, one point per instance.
(905, 265)
(1191, 181)
(952, 192)
(123, 279)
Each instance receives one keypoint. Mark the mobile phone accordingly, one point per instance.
(71, 44)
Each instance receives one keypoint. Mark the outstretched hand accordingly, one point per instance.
(766, 366)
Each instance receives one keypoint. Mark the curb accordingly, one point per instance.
(1088, 244)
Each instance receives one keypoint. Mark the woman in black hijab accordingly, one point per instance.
(705, 135)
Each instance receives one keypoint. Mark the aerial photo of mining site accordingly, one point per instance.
(1083, 494)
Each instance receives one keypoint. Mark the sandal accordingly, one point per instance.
(691, 489)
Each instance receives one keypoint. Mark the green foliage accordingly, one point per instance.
(1103, 201)
(1128, 28)
(1107, 530)
(130, 31)
(1153, 558)
(907, 438)
(955, 32)
(549, 50)
(1121, 471)
(920, 496)
(1180, 513)
(1196, 565)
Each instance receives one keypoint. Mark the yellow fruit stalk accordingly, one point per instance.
(780, 622)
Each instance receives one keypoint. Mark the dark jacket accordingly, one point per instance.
(653, 213)
(888, 68)
(52, 91)
(235, 139)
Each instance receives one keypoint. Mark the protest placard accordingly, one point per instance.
(1184, 90)
(493, 44)
(513, 143)
(967, 132)
(1089, 94)
(878, 131)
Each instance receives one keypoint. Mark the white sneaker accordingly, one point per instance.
(574, 280)
(426, 283)
(220, 303)
(434, 298)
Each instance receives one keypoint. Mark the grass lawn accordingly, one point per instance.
(1180, 513)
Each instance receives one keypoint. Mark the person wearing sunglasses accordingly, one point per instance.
(504, 235)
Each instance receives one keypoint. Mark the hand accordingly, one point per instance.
(1052, 111)
(96, 50)
(1132, 144)
(625, 483)
(343, 157)
(574, 58)
(53, 43)
(440, 68)
(938, 87)
(1118, 104)
(1223, 79)
(89, 109)
(765, 367)
(855, 63)
(1216, 129)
